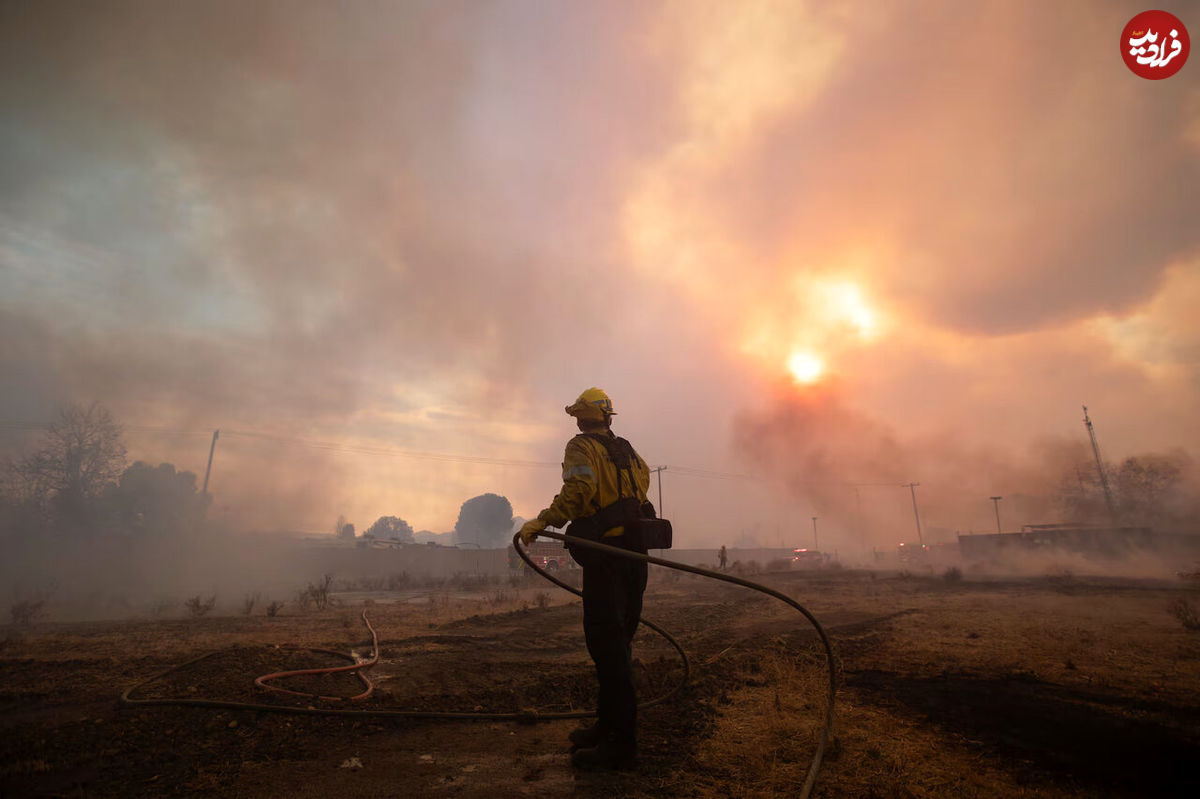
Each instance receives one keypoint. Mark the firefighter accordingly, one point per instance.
(592, 490)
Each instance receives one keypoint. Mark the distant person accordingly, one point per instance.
(723, 556)
(593, 486)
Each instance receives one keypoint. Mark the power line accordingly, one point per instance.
(694, 472)
(312, 444)
(364, 449)
(133, 428)
(390, 451)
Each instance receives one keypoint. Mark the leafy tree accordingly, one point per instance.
(392, 527)
(155, 499)
(343, 529)
(81, 456)
(1147, 490)
(484, 521)
(1150, 488)
(1080, 495)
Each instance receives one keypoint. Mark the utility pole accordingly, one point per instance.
(659, 472)
(996, 505)
(1108, 500)
(912, 488)
(207, 472)
(862, 532)
(816, 544)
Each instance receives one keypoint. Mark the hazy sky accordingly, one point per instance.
(816, 243)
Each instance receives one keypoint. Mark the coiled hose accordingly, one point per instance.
(529, 716)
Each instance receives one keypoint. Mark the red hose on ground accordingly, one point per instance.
(355, 667)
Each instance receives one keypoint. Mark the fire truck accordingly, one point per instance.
(908, 552)
(806, 558)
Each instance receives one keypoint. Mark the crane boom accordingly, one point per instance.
(1108, 500)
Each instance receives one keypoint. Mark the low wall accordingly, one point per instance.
(425, 561)
(415, 560)
(709, 558)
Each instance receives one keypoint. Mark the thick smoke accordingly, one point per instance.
(428, 226)
(347, 224)
(854, 473)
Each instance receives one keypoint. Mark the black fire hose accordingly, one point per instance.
(826, 728)
(530, 716)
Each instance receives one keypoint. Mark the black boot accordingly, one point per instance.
(608, 755)
(585, 737)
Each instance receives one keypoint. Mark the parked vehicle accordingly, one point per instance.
(550, 555)
(807, 559)
(909, 552)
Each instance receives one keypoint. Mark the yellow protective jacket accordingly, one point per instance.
(590, 483)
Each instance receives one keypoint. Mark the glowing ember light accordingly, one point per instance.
(805, 367)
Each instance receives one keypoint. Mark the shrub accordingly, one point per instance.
(1062, 579)
(1060, 574)
(198, 607)
(952, 575)
(274, 608)
(467, 581)
(249, 602)
(1182, 609)
(316, 594)
(26, 611)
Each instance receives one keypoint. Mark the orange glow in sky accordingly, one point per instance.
(805, 367)
(848, 305)
(811, 203)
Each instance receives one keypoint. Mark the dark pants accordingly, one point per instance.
(612, 606)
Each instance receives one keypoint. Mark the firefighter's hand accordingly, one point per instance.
(530, 530)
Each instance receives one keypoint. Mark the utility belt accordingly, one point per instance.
(643, 529)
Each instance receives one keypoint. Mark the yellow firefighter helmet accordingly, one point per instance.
(592, 404)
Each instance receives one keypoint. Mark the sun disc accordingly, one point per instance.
(805, 367)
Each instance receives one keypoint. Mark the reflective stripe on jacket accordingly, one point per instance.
(590, 483)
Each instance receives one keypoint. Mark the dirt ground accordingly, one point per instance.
(1049, 687)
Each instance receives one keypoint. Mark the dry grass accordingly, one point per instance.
(1118, 641)
(764, 743)
(917, 653)
(1099, 640)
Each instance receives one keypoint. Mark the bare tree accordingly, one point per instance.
(81, 455)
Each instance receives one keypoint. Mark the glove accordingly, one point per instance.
(530, 530)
